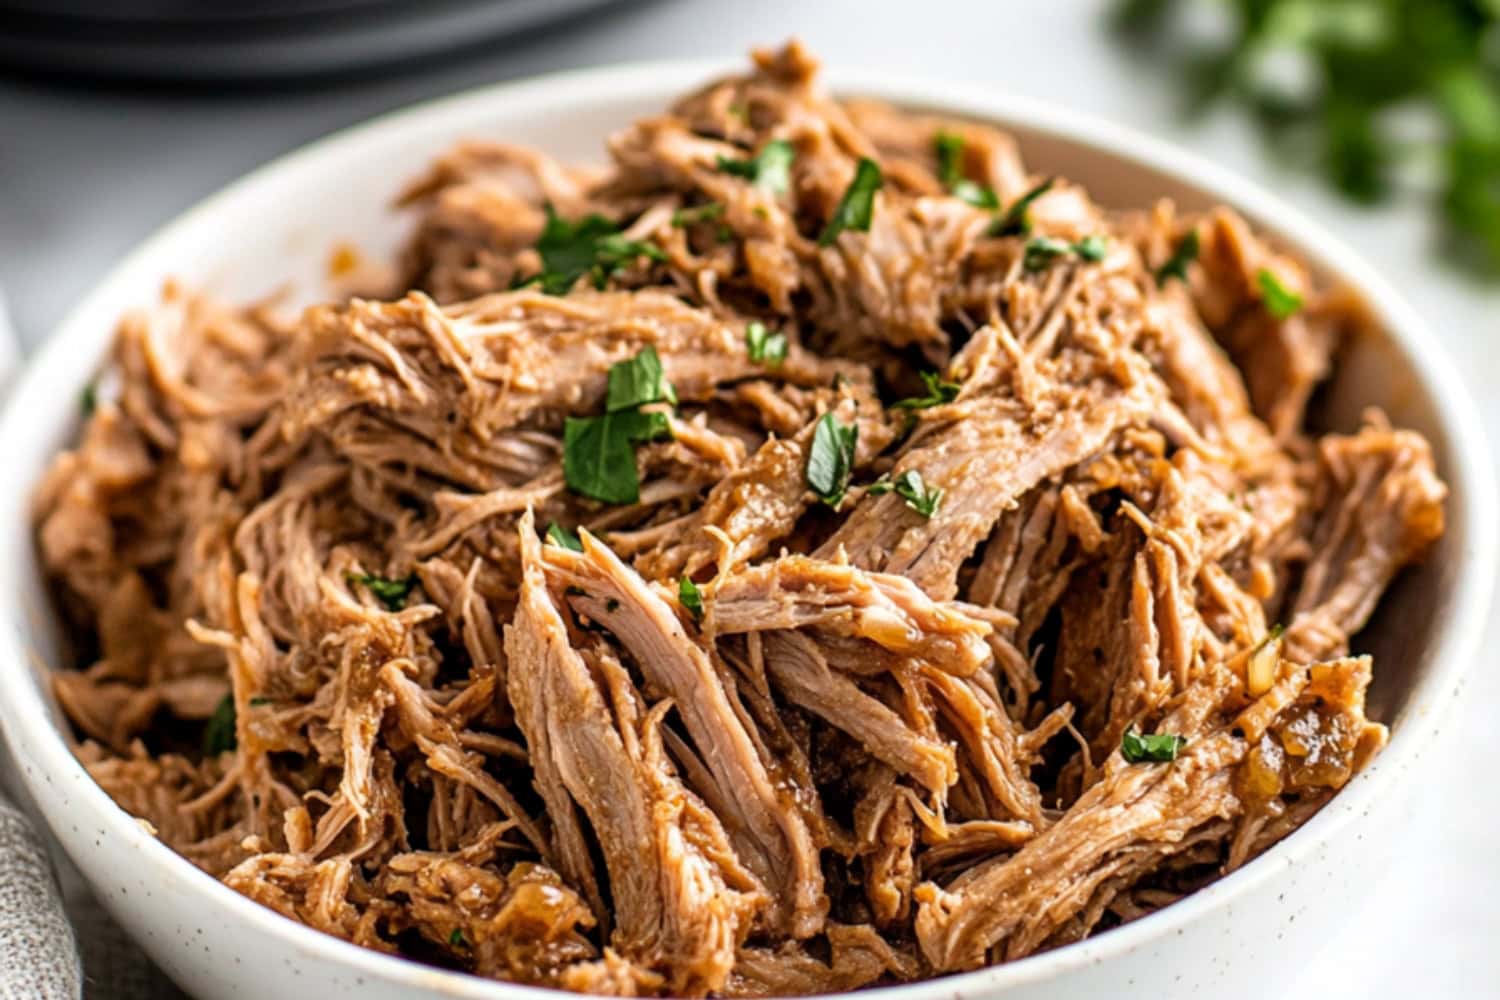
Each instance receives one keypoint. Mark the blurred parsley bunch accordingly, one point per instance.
(1382, 96)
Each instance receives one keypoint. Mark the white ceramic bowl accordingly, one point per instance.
(274, 228)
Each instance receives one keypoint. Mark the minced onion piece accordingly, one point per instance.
(1260, 669)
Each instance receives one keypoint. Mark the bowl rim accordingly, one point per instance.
(26, 723)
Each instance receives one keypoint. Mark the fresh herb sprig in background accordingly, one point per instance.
(1383, 97)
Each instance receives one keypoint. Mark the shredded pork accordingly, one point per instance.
(354, 640)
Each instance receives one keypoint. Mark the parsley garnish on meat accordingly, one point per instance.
(857, 207)
(1183, 254)
(691, 598)
(1017, 218)
(1279, 300)
(831, 459)
(1092, 248)
(764, 346)
(1140, 748)
(638, 381)
(88, 400)
(599, 452)
(564, 537)
(770, 169)
(1041, 251)
(938, 393)
(591, 246)
(391, 593)
(950, 154)
(908, 486)
(457, 939)
(698, 213)
(218, 733)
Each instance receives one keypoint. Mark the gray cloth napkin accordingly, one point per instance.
(36, 940)
(46, 910)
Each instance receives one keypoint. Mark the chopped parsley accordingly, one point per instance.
(857, 207)
(457, 939)
(1139, 748)
(392, 593)
(1279, 300)
(218, 733)
(699, 213)
(1092, 248)
(770, 169)
(831, 459)
(88, 400)
(950, 153)
(1176, 265)
(599, 452)
(1041, 251)
(612, 604)
(638, 381)
(564, 537)
(690, 598)
(764, 346)
(1017, 218)
(909, 486)
(938, 393)
(591, 246)
(258, 700)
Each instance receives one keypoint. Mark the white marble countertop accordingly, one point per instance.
(85, 175)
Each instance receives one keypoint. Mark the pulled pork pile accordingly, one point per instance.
(812, 552)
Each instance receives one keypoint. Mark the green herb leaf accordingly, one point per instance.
(614, 251)
(592, 245)
(1176, 265)
(88, 400)
(1092, 248)
(831, 459)
(1137, 748)
(950, 151)
(598, 460)
(975, 194)
(391, 593)
(218, 733)
(691, 598)
(763, 345)
(1041, 251)
(699, 213)
(457, 939)
(938, 393)
(564, 537)
(1017, 218)
(909, 486)
(857, 207)
(599, 453)
(770, 169)
(638, 381)
(1279, 300)
(1361, 73)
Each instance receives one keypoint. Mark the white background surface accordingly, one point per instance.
(85, 175)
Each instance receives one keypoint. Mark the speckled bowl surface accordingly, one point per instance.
(1243, 936)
